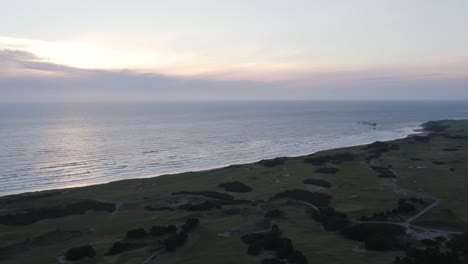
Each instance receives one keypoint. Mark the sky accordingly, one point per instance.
(55, 50)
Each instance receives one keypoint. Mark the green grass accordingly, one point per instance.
(356, 191)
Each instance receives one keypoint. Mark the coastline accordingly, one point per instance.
(421, 131)
(364, 185)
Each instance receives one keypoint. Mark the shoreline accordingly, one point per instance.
(421, 131)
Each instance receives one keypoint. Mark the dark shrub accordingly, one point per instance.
(459, 244)
(317, 199)
(190, 224)
(136, 233)
(162, 230)
(376, 236)
(383, 172)
(321, 183)
(271, 241)
(335, 159)
(272, 261)
(297, 258)
(273, 213)
(272, 162)
(330, 219)
(209, 194)
(438, 162)
(252, 238)
(173, 242)
(119, 247)
(450, 149)
(206, 205)
(430, 255)
(284, 248)
(434, 126)
(34, 215)
(327, 170)
(405, 206)
(430, 242)
(235, 187)
(78, 253)
(254, 250)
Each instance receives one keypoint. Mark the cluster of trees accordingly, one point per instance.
(334, 159)
(383, 172)
(330, 219)
(275, 213)
(327, 170)
(136, 233)
(459, 244)
(272, 241)
(120, 246)
(33, 215)
(376, 149)
(317, 199)
(405, 205)
(74, 254)
(209, 194)
(321, 183)
(236, 187)
(434, 126)
(272, 162)
(179, 238)
(430, 255)
(162, 230)
(377, 236)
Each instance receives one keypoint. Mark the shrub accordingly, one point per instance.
(34, 215)
(252, 238)
(74, 254)
(119, 247)
(376, 236)
(272, 261)
(321, 183)
(209, 194)
(327, 170)
(136, 233)
(334, 159)
(162, 230)
(317, 199)
(190, 224)
(273, 213)
(459, 244)
(284, 248)
(235, 187)
(254, 250)
(330, 219)
(297, 258)
(272, 162)
(173, 242)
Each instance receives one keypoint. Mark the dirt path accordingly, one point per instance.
(417, 231)
(153, 256)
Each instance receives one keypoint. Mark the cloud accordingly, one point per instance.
(27, 77)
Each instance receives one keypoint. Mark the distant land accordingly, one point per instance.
(400, 201)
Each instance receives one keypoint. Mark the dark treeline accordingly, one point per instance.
(33, 215)
(272, 241)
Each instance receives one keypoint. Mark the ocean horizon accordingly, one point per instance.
(56, 145)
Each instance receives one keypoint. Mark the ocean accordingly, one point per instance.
(57, 145)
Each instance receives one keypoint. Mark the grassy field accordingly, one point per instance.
(428, 168)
